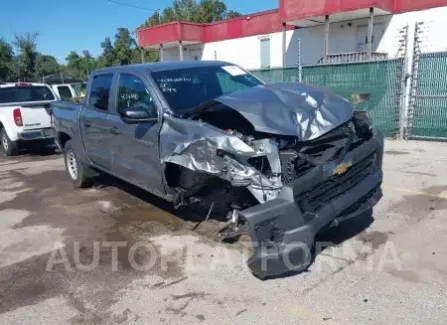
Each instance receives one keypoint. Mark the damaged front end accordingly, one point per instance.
(280, 162)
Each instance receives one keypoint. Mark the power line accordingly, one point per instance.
(132, 6)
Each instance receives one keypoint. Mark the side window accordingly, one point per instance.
(99, 93)
(64, 92)
(132, 93)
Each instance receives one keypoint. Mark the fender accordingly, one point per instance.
(9, 130)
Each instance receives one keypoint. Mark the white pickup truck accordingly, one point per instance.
(23, 115)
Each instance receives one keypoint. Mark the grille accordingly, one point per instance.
(335, 186)
(320, 151)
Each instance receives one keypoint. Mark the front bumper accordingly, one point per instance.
(37, 134)
(283, 230)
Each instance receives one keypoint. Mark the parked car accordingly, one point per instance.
(278, 161)
(23, 115)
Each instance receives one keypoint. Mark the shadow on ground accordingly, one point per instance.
(34, 151)
(330, 237)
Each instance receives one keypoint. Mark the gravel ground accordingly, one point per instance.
(57, 265)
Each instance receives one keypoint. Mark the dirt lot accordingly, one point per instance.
(57, 265)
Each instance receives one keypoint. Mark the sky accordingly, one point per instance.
(77, 25)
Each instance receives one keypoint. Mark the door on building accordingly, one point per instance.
(265, 53)
(362, 36)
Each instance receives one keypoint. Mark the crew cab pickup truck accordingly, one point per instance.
(279, 162)
(23, 115)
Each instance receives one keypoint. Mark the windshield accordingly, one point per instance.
(185, 89)
(25, 94)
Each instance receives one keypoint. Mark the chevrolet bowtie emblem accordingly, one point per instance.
(341, 169)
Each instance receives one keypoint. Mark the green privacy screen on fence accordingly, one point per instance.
(382, 79)
(430, 97)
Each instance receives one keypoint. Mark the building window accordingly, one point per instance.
(362, 36)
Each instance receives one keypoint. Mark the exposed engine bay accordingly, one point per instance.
(241, 149)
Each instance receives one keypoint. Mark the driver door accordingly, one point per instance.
(135, 146)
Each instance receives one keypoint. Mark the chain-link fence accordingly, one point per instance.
(428, 118)
(382, 79)
(417, 110)
(274, 75)
(427, 112)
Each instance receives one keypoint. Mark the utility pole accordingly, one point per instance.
(326, 38)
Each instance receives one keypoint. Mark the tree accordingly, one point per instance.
(233, 14)
(88, 62)
(108, 53)
(123, 46)
(27, 47)
(210, 11)
(185, 10)
(81, 65)
(145, 55)
(46, 64)
(73, 61)
(205, 11)
(6, 60)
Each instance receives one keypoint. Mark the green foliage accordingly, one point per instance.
(81, 65)
(205, 11)
(6, 60)
(123, 46)
(46, 65)
(27, 47)
(232, 14)
(108, 53)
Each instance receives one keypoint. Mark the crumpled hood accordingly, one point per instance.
(290, 109)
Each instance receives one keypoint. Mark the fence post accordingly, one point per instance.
(300, 67)
(403, 86)
(414, 78)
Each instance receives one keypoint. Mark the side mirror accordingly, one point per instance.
(360, 98)
(133, 115)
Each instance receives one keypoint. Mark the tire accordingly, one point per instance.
(11, 147)
(78, 172)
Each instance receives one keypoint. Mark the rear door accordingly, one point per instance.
(135, 146)
(94, 123)
(32, 101)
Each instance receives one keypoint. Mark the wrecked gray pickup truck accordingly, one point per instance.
(279, 162)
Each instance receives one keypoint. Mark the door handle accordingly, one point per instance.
(87, 124)
(114, 130)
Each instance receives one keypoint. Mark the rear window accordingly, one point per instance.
(25, 94)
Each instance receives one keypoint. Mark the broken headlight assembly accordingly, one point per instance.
(362, 124)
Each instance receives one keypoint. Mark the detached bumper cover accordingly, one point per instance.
(283, 230)
(37, 134)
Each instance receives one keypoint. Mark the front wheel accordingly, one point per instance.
(75, 167)
(11, 148)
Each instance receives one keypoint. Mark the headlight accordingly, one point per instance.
(362, 123)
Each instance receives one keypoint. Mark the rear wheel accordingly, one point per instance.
(77, 170)
(11, 148)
